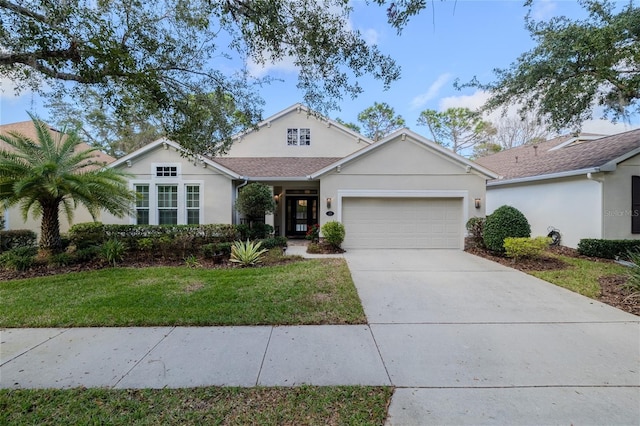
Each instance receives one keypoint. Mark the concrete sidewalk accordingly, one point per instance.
(463, 340)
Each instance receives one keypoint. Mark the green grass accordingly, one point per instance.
(318, 291)
(582, 276)
(307, 405)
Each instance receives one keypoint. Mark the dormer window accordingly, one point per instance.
(299, 137)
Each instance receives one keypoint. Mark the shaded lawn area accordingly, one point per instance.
(318, 291)
(306, 405)
(582, 276)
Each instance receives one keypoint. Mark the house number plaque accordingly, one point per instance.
(330, 213)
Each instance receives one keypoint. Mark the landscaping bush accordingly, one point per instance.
(247, 253)
(94, 234)
(313, 233)
(633, 283)
(272, 242)
(19, 258)
(526, 247)
(504, 222)
(214, 249)
(83, 235)
(333, 233)
(86, 254)
(61, 259)
(475, 226)
(17, 238)
(607, 249)
(113, 251)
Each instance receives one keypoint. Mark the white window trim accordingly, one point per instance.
(182, 197)
(298, 135)
(154, 167)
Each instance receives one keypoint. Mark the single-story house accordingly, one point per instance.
(403, 191)
(13, 218)
(586, 186)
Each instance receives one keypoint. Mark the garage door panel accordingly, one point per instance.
(402, 222)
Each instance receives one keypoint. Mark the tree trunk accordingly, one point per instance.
(50, 241)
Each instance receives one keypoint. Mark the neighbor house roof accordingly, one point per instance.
(26, 128)
(564, 155)
(275, 167)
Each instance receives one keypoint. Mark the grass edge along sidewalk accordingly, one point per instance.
(318, 291)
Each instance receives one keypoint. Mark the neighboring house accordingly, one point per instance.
(403, 191)
(13, 216)
(586, 186)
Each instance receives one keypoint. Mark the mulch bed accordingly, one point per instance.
(612, 291)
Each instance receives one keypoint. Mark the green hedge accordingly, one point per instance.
(607, 249)
(95, 233)
(17, 238)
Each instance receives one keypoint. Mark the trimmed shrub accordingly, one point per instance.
(86, 254)
(94, 234)
(475, 226)
(333, 233)
(503, 223)
(19, 259)
(526, 247)
(607, 249)
(272, 242)
(214, 249)
(83, 235)
(17, 238)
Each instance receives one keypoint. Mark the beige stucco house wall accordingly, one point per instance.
(215, 197)
(328, 138)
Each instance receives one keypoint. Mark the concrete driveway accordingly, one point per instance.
(468, 341)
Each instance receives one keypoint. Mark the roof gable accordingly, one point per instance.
(166, 144)
(402, 135)
(270, 139)
(564, 155)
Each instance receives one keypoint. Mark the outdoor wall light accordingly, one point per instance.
(477, 203)
(329, 202)
(276, 198)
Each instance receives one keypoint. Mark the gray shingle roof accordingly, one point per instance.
(293, 167)
(541, 159)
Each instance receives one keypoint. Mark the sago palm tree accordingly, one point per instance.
(53, 174)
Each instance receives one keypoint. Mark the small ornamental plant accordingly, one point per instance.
(313, 233)
(333, 233)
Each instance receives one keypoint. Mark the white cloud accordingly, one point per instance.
(543, 10)
(473, 102)
(285, 65)
(7, 89)
(422, 99)
(370, 36)
(606, 127)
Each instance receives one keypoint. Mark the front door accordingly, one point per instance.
(302, 212)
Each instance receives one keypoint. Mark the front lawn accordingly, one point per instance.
(318, 291)
(307, 405)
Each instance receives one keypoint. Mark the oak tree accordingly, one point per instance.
(176, 60)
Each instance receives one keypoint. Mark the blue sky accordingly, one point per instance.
(449, 40)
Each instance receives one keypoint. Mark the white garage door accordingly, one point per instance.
(402, 222)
